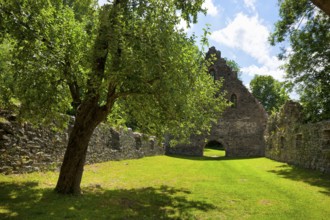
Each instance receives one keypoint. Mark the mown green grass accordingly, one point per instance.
(163, 187)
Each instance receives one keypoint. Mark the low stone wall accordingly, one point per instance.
(24, 148)
(290, 140)
(185, 150)
(193, 147)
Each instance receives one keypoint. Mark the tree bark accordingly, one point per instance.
(88, 117)
(324, 5)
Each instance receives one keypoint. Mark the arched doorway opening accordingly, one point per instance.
(214, 148)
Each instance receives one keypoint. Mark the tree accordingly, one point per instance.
(315, 98)
(308, 60)
(98, 61)
(270, 92)
(6, 80)
(234, 66)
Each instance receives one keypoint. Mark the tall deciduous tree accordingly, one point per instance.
(127, 54)
(308, 62)
(270, 92)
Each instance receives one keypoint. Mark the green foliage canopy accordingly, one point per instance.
(6, 79)
(234, 66)
(150, 68)
(270, 92)
(50, 52)
(308, 61)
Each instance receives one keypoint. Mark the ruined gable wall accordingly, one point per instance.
(241, 128)
(291, 140)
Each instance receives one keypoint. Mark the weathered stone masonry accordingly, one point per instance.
(24, 148)
(291, 140)
(240, 130)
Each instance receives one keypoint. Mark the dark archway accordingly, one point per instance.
(216, 145)
(214, 148)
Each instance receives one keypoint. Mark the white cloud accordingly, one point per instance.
(102, 2)
(250, 4)
(264, 70)
(245, 33)
(211, 8)
(251, 36)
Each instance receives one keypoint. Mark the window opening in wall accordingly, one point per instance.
(152, 144)
(299, 138)
(326, 139)
(282, 142)
(138, 142)
(233, 100)
(212, 73)
(326, 134)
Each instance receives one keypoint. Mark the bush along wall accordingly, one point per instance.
(24, 148)
(290, 140)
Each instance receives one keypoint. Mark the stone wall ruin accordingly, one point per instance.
(240, 129)
(289, 139)
(24, 148)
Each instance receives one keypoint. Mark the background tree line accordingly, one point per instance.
(307, 60)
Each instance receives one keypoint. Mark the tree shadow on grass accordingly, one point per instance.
(210, 158)
(27, 201)
(312, 177)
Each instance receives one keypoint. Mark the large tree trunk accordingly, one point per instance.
(324, 5)
(88, 117)
(89, 113)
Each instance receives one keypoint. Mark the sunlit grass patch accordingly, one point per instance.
(162, 187)
(3, 120)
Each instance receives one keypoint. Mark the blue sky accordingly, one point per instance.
(240, 29)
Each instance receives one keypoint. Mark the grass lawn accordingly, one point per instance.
(164, 187)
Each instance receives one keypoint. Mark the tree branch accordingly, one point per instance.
(72, 83)
(74, 90)
(111, 96)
